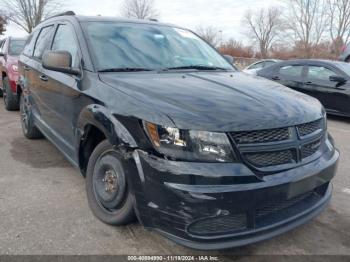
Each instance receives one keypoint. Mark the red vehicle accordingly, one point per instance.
(10, 48)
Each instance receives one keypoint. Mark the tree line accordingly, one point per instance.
(295, 28)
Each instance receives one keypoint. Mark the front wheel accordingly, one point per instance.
(108, 192)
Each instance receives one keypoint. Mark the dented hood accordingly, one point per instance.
(210, 101)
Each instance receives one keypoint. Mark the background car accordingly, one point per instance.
(10, 49)
(255, 67)
(345, 55)
(328, 81)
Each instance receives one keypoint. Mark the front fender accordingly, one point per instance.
(102, 118)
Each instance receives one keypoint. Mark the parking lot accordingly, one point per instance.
(43, 207)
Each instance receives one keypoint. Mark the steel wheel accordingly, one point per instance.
(108, 191)
(109, 181)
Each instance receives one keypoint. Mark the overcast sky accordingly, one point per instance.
(226, 15)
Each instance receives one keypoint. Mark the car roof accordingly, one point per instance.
(82, 18)
(308, 61)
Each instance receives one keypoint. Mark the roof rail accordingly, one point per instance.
(62, 14)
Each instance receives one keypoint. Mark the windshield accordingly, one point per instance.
(16, 47)
(153, 47)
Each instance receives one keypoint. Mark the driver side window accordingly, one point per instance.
(65, 41)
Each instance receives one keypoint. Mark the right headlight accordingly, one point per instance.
(190, 145)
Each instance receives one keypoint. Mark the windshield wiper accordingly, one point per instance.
(198, 67)
(125, 69)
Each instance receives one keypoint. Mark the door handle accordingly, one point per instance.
(44, 78)
(308, 83)
(275, 78)
(27, 68)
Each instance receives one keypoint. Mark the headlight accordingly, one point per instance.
(14, 68)
(190, 145)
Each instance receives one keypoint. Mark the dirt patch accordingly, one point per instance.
(37, 153)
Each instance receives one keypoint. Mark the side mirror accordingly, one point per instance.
(229, 59)
(337, 79)
(60, 61)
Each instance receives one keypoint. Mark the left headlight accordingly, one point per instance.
(190, 145)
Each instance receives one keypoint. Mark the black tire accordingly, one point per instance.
(11, 100)
(1, 93)
(29, 129)
(347, 60)
(114, 206)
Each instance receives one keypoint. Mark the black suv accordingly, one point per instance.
(166, 130)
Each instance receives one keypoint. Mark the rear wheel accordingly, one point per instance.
(27, 122)
(347, 60)
(108, 192)
(10, 99)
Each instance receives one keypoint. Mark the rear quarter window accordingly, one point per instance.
(29, 46)
(43, 41)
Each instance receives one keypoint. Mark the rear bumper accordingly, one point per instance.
(218, 206)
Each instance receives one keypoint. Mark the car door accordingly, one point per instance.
(333, 95)
(25, 66)
(38, 86)
(290, 75)
(63, 89)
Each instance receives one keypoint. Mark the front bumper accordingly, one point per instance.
(217, 205)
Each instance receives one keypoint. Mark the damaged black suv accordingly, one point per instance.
(166, 130)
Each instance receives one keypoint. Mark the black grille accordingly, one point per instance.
(309, 128)
(274, 206)
(265, 159)
(261, 136)
(218, 225)
(310, 149)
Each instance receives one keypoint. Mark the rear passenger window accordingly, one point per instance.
(291, 70)
(43, 41)
(65, 41)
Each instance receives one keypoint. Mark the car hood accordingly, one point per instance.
(210, 101)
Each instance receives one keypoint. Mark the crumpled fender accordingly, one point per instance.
(102, 118)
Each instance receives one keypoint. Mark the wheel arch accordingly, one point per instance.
(95, 124)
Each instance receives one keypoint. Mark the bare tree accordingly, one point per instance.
(264, 27)
(29, 13)
(339, 22)
(210, 34)
(3, 23)
(307, 23)
(139, 9)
